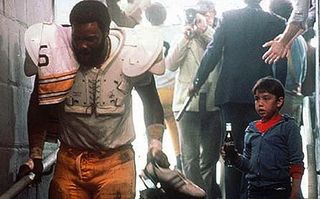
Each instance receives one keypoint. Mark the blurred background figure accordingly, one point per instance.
(129, 17)
(237, 44)
(308, 86)
(156, 14)
(297, 69)
(297, 65)
(302, 16)
(200, 126)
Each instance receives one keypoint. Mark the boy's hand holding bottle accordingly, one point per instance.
(228, 151)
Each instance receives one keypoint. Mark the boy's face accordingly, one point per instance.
(267, 105)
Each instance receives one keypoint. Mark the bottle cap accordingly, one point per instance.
(228, 126)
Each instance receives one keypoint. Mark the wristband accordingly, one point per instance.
(154, 134)
(153, 143)
(36, 153)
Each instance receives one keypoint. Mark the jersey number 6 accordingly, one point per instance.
(43, 58)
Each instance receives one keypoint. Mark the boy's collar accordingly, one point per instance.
(275, 117)
(264, 126)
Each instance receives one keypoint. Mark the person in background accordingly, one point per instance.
(130, 17)
(272, 159)
(237, 44)
(297, 65)
(308, 86)
(301, 17)
(200, 127)
(84, 78)
(156, 14)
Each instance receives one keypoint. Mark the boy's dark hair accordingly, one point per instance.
(91, 11)
(270, 85)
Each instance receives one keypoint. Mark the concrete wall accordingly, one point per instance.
(317, 100)
(15, 88)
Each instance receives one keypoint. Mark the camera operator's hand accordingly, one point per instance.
(189, 31)
(32, 165)
(201, 23)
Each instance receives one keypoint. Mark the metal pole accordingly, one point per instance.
(19, 186)
(317, 25)
(310, 147)
(317, 94)
(184, 108)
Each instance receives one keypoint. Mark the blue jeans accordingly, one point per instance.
(200, 141)
(293, 106)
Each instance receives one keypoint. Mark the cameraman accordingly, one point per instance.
(199, 129)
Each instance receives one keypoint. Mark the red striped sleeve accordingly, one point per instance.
(296, 171)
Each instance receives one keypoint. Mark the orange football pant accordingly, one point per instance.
(94, 175)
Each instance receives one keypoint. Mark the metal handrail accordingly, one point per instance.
(20, 185)
(310, 146)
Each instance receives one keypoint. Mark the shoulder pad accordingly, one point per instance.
(46, 34)
(49, 46)
(141, 51)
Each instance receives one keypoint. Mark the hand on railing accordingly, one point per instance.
(27, 179)
(32, 165)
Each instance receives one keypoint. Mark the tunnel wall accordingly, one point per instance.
(15, 87)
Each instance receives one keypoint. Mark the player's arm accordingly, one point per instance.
(154, 120)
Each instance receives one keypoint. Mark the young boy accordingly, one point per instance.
(272, 158)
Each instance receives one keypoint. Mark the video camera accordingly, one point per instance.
(191, 15)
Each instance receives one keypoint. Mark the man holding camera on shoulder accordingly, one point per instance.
(199, 128)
